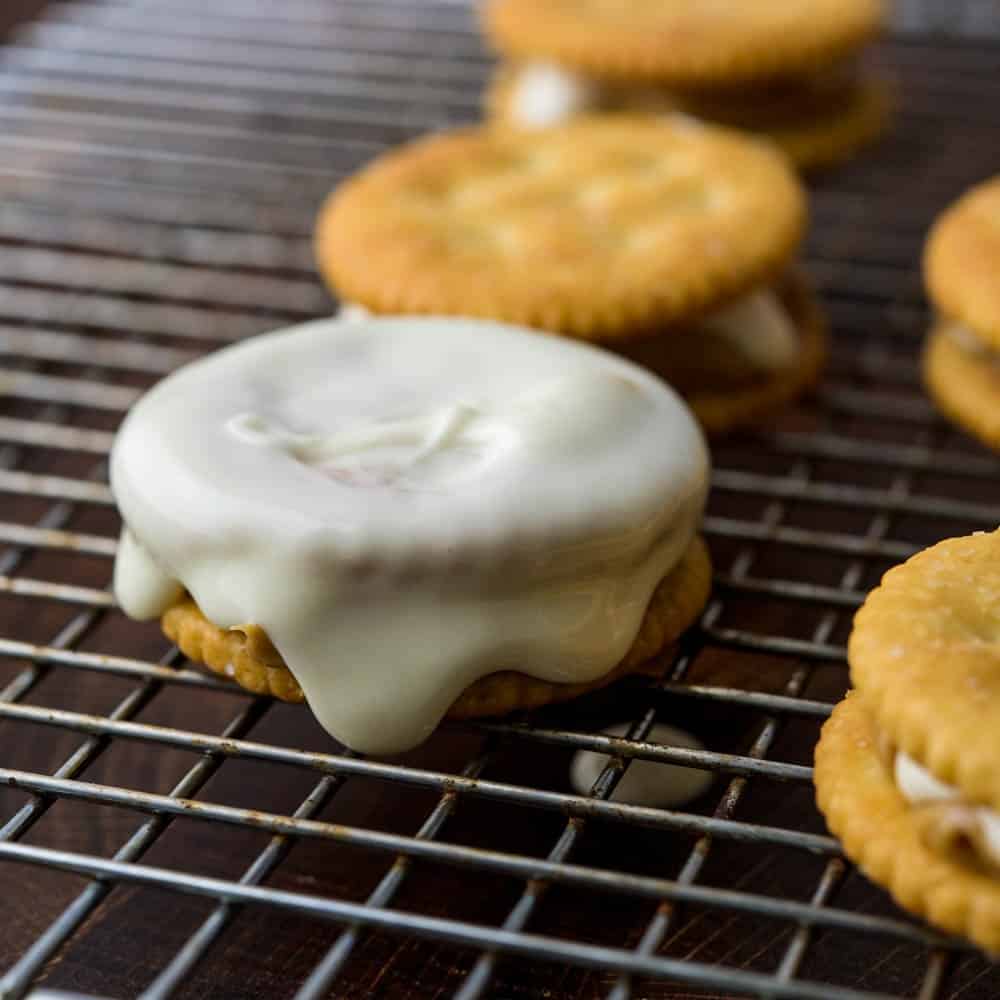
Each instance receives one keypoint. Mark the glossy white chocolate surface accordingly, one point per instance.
(407, 505)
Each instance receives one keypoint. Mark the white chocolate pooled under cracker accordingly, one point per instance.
(646, 782)
(407, 505)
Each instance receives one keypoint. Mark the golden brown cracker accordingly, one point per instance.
(600, 228)
(683, 42)
(924, 653)
(962, 261)
(884, 834)
(245, 654)
(965, 385)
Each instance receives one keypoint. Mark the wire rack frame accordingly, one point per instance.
(161, 168)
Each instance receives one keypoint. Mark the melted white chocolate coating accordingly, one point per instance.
(407, 505)
(918, 785)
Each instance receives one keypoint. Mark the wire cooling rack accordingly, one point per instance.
(162, 834)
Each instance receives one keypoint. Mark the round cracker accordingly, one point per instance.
(683, 42)
(925, 654)
(598, 229)
(246, 656)
(881, 832)
(962, 261)
(813, 134)
(965, 386)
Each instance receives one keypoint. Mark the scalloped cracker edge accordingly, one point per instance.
(880, 832)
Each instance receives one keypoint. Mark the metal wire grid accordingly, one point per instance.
(160, 176)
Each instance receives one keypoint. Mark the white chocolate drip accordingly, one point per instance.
(918, 785)
(143, 588)
(407, 505)
(646, 782)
